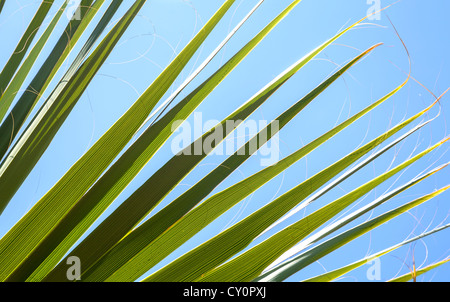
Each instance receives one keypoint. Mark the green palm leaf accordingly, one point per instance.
(135, 242)
(72, 91)
(251, 264)
(419, 272)
(184, 163)
(121, 173)
(76, 222)
(195, 263)
(333, 275)
(292, 266)
(126, 245)
(2, 2)
(16, 118)
(24, 44)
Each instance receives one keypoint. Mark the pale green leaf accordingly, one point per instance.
(419, 272)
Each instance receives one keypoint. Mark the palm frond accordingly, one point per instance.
(146, 237)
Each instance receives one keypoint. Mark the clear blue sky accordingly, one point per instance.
(165, 26)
